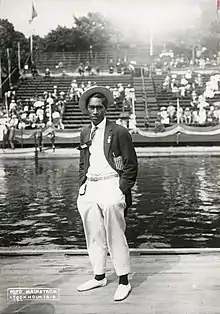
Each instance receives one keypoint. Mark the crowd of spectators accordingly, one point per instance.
(88, 69)
(32, 113)
(121, 67)
(123, 95)
(198, 99)
(167, 60)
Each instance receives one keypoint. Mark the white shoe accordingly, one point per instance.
(92, 284)
(122, 292)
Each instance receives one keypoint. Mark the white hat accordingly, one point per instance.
(94, 90)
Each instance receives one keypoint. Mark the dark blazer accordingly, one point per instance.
(117, 142)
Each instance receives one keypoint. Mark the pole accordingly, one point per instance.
(19, 57)
(50, 113)
(151, 41)
(36, 150)
(178, 110)
(9, 66)
(91, 54)
(0, 76)
(31, 47)
(6, 104)
(22, 142)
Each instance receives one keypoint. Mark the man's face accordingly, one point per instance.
(96, 110)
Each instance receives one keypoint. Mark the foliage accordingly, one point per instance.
(60, 39)
(9, 38)
(91, 30)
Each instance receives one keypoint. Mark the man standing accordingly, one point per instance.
(107, 172)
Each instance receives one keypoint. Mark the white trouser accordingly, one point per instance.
(102, 212)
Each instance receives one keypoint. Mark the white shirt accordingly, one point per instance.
(99, 165)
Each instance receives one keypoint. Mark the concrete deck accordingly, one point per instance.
(29, 153)
(161, 284)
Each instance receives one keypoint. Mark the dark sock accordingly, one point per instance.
(123, 280)
(100, 277)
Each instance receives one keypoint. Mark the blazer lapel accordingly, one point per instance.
(107, 138)
(87, 134)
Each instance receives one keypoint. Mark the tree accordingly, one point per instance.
(93, 30)
(9, 38)
(60, 39)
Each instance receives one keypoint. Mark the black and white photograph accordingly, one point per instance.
(109, 157)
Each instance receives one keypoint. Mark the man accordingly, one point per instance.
(107, 172)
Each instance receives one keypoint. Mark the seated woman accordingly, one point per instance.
(187, 116)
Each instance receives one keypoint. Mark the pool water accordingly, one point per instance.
(176, 203)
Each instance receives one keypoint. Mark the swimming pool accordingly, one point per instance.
(176, 203)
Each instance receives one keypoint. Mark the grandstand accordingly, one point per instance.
(150, 96)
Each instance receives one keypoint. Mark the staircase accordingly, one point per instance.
(37, 86)
(152, 105)
(74, 119)
(139, 103)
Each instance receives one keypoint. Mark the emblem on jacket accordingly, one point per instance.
(109, 139)
(118, 162)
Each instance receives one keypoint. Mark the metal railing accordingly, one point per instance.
(144, 92)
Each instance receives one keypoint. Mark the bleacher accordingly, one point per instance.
(71, 60)
(73, 117)
(163, 99)
(38, 85)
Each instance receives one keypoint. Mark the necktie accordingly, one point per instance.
(93, 133)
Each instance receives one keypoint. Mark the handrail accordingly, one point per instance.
(7, 78)
(144, 93)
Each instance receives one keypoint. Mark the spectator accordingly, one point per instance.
(211, 115)
(13, 122)
(127, 104)
(132, 122)
(81, 69)
(12, 106)
(74, 84)
(57, 119)
(60, 65)
(47, 72)
(111, 66)
(40, 114)
(51, 136)
(88, 68)
(179, 115)
(6, 131)
(54, 91)
(33, 69)
(202, 115)
(187, 116)
(158, 126)
(164, 116)
(188, 76)
(39, 138)
(32, 117)
(98, 69)
(62, 95)
(171, 112)
(26, 68)
(119, 121)
(119, 66)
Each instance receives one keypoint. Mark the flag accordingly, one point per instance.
(33, 14)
